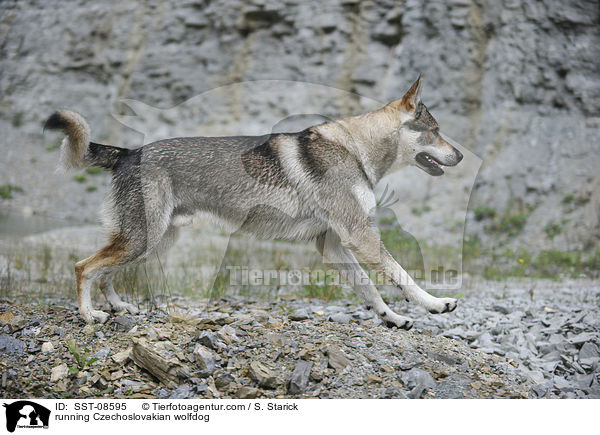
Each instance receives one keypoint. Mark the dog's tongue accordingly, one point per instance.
(432, 160)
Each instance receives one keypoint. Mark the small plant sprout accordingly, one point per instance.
(81, 357)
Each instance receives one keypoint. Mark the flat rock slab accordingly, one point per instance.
(170, 371)
(336, 358)
(263, 375)
(300, 376)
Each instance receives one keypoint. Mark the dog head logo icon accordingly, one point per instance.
(26, 414)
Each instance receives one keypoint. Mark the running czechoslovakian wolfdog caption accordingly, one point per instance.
(316, 184)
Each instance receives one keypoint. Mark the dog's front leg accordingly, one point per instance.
(369, 249)
(411, 289)
(330, 247)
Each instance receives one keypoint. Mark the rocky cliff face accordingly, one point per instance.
(516, 82)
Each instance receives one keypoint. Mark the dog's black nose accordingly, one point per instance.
(459, 155)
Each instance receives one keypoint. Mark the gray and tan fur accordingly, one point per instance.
(316, 184)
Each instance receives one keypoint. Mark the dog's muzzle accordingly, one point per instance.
(433, 166)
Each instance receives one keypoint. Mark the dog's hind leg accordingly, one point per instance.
(105, 283)
(115, 253)
(330, 247)
(138, 212)
(112, 297)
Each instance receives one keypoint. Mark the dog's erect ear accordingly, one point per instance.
(410, 100)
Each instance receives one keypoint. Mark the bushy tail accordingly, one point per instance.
(75, 144)
(76, 150)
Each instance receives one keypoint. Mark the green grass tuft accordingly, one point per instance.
(53, 147)
(553, 229)
(419, 211)
(326, 290)
(6, 190)
(93, 170)
(568, 199)
(484, 212)
(512, 224)
(387, 221)
(80, 356)
(552, 264)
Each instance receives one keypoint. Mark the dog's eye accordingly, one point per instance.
(417, 115)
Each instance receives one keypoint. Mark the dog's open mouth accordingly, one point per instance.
(429, 164)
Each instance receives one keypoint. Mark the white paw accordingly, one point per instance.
(442, 305)
(124, 306)
(393, 320)
(131, 308)
(92, 316)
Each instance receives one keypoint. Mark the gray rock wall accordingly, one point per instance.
(516, 82)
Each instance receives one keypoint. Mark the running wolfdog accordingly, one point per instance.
(316, 184)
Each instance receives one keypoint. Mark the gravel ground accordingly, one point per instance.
(516, 338)
(550, 329)
(501, 342)
(240, 348)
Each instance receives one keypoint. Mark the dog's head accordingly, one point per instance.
(418, 134)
